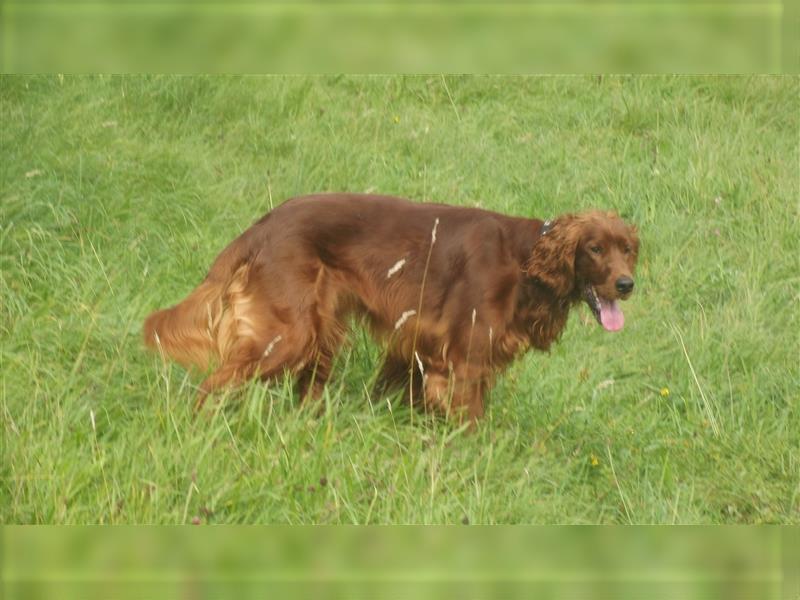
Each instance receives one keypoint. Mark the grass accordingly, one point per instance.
(117, 193)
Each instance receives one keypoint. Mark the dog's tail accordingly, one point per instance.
(199, 330)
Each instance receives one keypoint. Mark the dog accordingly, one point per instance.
(455, 294)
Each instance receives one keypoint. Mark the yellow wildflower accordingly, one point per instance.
(594, 460)
(664, 392)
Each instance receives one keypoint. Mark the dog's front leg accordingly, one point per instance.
(459, 398)
(466, 404)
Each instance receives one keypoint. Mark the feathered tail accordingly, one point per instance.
(186, 331)
(200, 330)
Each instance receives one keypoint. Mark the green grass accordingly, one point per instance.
(117, 193)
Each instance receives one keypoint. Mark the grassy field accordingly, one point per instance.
(117, 193)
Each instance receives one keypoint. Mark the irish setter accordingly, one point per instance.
(454, 293)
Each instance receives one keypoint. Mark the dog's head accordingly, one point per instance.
(590, 255)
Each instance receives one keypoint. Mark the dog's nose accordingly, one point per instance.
(624, 285)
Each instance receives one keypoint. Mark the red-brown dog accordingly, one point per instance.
(455, 293)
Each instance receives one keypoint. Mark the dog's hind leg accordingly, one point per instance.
(265, 358)
(312, 378)
(330, 334)
(235, 372)
(324, 320)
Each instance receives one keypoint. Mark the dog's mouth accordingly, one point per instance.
(607, 312)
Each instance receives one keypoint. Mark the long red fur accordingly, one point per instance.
(455, 294)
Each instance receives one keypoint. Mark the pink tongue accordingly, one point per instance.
(610, 315)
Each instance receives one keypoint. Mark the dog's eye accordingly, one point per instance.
(596, 249)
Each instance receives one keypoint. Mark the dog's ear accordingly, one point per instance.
(552, 261)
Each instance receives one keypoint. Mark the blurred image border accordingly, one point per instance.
(383, 36)
(381, 561)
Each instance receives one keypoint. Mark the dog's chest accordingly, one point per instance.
(513, 342)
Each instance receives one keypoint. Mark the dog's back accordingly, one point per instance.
(277, 298)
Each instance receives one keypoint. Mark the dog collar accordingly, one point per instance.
(546, 227)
